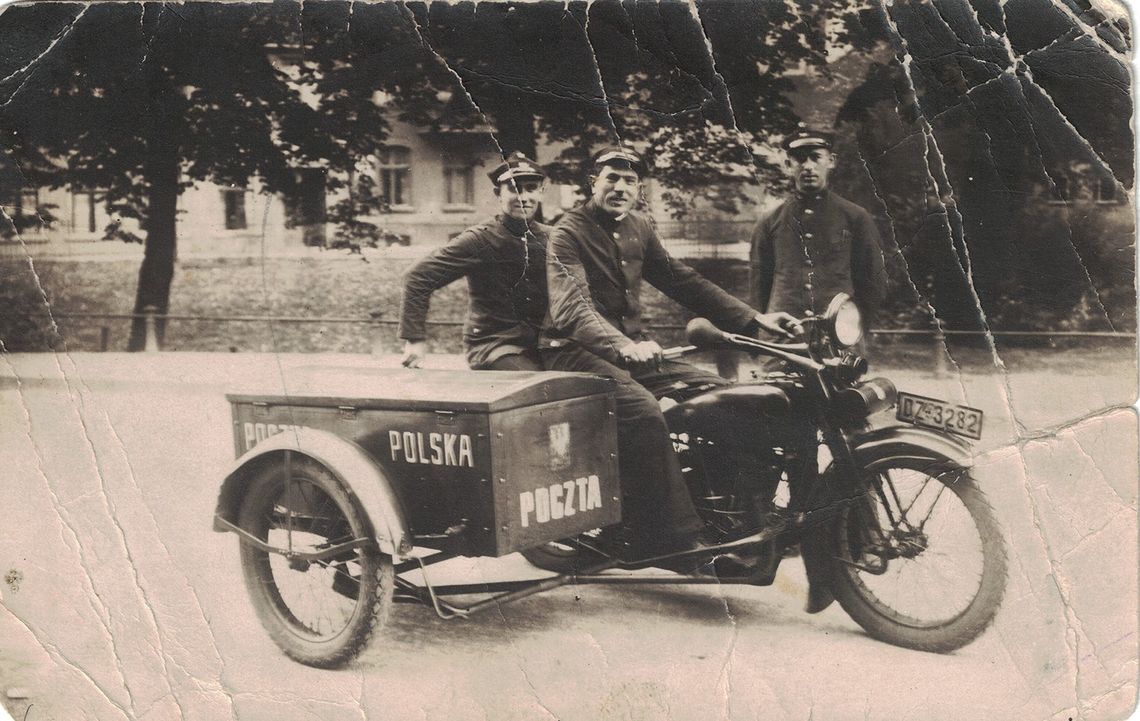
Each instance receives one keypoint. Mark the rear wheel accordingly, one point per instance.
(322, 612)
(920, 561)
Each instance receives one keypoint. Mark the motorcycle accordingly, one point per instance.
(338, 496)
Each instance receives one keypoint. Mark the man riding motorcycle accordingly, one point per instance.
(597, 257)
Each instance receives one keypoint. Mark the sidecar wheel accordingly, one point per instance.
(320, 613)
(935, 589)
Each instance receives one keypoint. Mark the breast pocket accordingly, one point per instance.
(841, 240)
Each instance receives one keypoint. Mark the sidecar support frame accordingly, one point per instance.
(329, 552)
(427, 594)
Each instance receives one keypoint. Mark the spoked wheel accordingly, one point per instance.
(920, 561)
(320, 612)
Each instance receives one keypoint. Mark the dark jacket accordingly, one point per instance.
(596, 265)
(506, 281)
(809, 249)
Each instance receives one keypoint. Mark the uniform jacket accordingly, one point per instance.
(809, 249)
(595, 267)
(506, 281)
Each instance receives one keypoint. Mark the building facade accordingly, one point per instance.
(431, 185)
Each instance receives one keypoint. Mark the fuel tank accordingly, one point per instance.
(735, 417)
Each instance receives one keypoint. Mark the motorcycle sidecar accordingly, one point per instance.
(341, 478)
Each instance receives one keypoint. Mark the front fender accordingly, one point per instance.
(908, 442)
(880, 447)
(874, 449)
(355, 469)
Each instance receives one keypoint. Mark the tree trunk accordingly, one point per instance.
(157, 270)
(514, 126)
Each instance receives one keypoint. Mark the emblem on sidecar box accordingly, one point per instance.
(559, 446)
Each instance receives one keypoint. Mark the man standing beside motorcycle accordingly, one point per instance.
(504, 260)
(598, 255)
(815, 244)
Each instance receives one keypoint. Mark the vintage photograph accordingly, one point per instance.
(583, 361)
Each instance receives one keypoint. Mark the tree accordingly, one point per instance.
(139, 100)
(991, 243)
(703, 89)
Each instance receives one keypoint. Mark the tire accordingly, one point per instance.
(966, 531)
(560, 557)
(352, 591)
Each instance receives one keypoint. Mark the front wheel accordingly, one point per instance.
(919, 560)
(320, 612)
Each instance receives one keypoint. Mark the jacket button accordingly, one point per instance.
(808, 236)
(807, 286)
(808, 211)
(625, 262)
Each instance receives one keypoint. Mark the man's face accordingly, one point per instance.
(615, 189)
(810, 169)
(519, 197)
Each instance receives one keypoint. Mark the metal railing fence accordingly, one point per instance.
(152, 319)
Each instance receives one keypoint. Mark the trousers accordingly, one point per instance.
(656, 504)
(525, 361)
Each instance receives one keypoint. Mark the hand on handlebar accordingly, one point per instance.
(643, 355)
(780, 324)
(414, 353)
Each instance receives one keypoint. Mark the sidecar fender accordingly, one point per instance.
(359, 474)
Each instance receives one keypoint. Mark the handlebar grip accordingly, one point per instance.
(677, 351)
(666, 354)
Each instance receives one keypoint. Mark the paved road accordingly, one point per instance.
(121, 602)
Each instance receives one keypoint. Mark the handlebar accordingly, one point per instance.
(703, 334)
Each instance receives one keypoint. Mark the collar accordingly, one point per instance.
(514, 226)
(608, 221)
(812, 198)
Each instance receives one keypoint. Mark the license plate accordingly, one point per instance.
(940, 415)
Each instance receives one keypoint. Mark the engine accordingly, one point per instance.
(736, 444)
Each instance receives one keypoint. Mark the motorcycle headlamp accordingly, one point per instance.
(844, 321)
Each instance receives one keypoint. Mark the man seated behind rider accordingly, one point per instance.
(598, 255)
(504, 261)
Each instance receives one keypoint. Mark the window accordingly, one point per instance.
(23, 205)
(1106, 190)
(569, 196)
(458, 181)
(395, 176)
(28, 202)
(234, 201)
(22, 214)
(88, 211)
